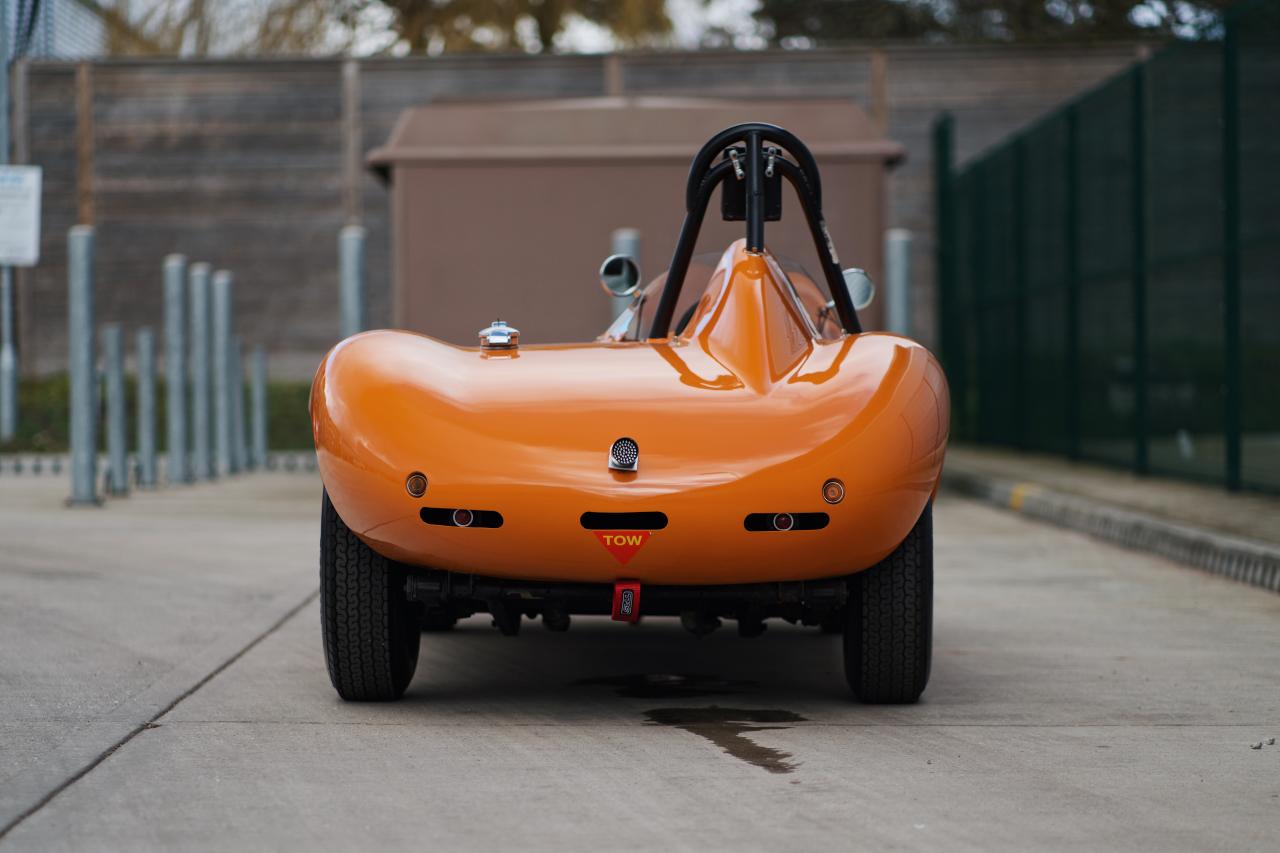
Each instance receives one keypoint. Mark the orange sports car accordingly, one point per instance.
(752, 455)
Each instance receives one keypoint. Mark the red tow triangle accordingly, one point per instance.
(623, 544)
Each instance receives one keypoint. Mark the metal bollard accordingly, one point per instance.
(235, 462)
(221, 357)
(201, 377)
(351, 280)
(81, 362)
(258, 385)
(239, 443)
(897, 259)
(8, 359)
(117, 425)
(8, 355)
(623, 241)
(146, 408)
(175, 367)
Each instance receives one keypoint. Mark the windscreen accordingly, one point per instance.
(813, 298)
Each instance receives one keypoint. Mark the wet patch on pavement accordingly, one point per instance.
(727, 728)
(669, 686)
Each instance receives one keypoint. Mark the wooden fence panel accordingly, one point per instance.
(248, 164)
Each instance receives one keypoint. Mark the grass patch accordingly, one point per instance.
(44, 416)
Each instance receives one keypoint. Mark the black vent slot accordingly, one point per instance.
(764, 521)
(624, 520)
(444, 517)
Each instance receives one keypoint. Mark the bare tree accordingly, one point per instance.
(201, 27)
(833, 21)
(456, 25)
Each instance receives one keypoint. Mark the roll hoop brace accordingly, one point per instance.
(704, 178)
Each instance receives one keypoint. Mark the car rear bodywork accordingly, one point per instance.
(744, 415)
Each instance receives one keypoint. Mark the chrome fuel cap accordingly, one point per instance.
(499, 335)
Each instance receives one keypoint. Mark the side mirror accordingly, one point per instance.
(619, 276)
(862, 289)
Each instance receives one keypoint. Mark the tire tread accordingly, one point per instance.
(364, 616)
(888, 633)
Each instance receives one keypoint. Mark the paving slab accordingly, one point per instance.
(1083, 697)
(108, 615)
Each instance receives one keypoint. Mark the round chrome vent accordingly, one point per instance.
(624, 455)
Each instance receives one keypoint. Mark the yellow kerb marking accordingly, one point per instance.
(1019, 494)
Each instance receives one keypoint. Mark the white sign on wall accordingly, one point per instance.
(19, 215)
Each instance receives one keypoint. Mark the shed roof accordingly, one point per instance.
(618, 128)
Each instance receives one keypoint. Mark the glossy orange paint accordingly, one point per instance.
(749, 411)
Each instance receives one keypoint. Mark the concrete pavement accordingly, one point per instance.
(1083, 697)
(109, 615)
(1248, 515)
(1228, 534)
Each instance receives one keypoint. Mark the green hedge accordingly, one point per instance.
(44, 419)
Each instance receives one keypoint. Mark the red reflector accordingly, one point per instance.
(626, 601)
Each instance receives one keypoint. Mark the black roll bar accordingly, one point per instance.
(684, 249)
(704, 178)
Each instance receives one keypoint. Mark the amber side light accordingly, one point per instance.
(416, 484)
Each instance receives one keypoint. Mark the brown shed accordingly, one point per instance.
(506, 209)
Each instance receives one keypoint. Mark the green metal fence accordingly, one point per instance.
(1109, 278)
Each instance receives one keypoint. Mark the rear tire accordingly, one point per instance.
(370, 628)
(888, 634)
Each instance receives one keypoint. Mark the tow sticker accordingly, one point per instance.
(623, 544)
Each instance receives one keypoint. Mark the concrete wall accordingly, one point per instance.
(255, 165)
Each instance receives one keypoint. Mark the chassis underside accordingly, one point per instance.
(445, 596)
